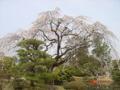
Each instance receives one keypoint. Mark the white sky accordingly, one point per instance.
(17, 14)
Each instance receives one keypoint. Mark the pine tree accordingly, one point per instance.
(34, 62)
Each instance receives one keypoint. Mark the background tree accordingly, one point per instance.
(85, 64)
(102, 51)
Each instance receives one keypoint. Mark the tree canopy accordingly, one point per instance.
(63, 34)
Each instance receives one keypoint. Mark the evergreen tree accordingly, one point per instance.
(34, 63)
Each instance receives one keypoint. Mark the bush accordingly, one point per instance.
(77, 84)
(116, 76)
(116, 73)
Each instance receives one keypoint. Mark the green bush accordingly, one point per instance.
(116, 72)
(116, 76)
(77, 84)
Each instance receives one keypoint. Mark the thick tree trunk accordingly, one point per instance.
(56, 64)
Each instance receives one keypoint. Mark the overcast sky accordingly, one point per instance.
(19, 14)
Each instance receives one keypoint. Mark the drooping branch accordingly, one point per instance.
(46, 36)
(65, 34)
